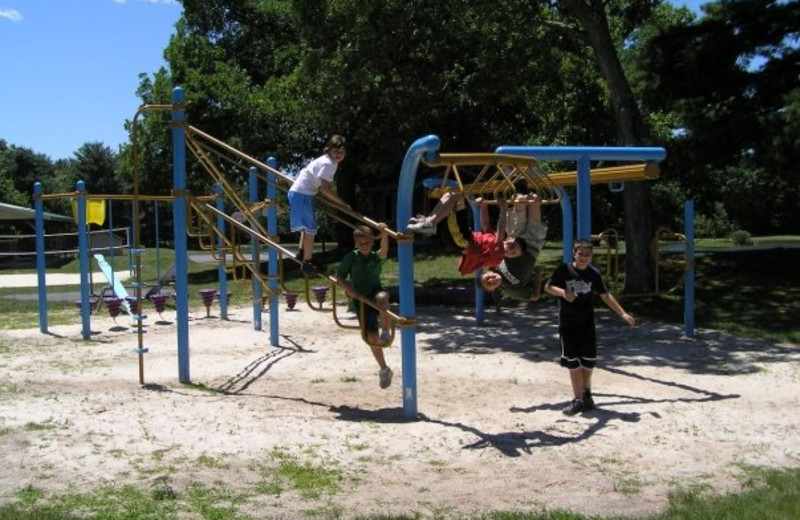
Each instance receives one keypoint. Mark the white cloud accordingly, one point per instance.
(11, 14)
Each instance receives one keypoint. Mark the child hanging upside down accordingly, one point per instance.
(510, 252)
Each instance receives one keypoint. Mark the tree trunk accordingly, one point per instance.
(631, 131)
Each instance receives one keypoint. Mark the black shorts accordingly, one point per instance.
(370, 314)
(578, 345)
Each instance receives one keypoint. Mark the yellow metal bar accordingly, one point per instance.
(479, 159)
(629, 172)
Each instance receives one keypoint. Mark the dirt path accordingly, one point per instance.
(672, 414)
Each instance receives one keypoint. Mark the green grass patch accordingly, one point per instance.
(309, 480)
(767, 494)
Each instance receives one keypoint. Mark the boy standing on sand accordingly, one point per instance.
(573, 284)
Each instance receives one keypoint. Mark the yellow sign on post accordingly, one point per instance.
(95, 211)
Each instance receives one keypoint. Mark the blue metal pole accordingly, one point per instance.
(567, 223)
(480, 305)
(425, 146)
(180, 228)
(688, 284)
(222, 275)
(40, 258)
(596, 153)
(158, 240)
(272, 269)
(83, 261)
(255, 253)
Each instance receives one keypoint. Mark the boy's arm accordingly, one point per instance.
(535, 209)
(614, 305)
(327, 191)
(383, 252)
(559, 292)
(500, 235)
(348, 287)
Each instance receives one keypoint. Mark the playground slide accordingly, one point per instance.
(115, 283)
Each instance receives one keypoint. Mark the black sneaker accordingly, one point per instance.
(574, 407)
(588, 402)
(299, 254)
(309, 269)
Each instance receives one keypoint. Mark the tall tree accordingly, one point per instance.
(732, 79)
(592, 25)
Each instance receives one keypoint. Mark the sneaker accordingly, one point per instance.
(575, 406)
(386, 336)
(588, 402)
(417, 219)
(386, 377)
(424, 228)
(309, 269)
(299, 254)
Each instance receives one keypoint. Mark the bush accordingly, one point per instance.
(716, 225)
(740, 237)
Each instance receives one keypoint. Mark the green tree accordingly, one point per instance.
(589, 21)
(8, 172)
(731, 80)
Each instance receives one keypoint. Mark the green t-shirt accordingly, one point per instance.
(363, 271)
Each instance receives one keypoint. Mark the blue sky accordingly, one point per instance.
(70, 68)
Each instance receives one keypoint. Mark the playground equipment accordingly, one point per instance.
(504, 170)
(664, 234)
(512, 170)
(291, 299)
(114, 282)
(609, 240)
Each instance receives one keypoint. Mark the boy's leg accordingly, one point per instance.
(303, 219)
(307, 245)
(576, 379)
(443, 208)
(572, 343)
(586, 374)
(377, 352)
(486, 223)
(588, 400)
(382, 300)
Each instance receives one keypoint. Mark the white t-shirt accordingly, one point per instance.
(310, 178)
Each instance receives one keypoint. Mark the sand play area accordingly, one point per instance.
(490, 435)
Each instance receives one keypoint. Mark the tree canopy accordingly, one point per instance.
(277, 77)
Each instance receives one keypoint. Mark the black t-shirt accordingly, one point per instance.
(583, 284)
(518, 277)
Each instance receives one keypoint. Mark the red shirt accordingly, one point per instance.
(482, 251)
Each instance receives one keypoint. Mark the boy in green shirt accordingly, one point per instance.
(363, 268)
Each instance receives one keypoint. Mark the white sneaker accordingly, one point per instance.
(386, 336)
(417, 219)
(386, 377)
(424, 228)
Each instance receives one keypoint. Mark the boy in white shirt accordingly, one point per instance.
(315, 177)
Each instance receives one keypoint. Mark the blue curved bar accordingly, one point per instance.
(427, 147)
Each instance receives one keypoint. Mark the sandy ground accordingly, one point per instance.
(490, 435)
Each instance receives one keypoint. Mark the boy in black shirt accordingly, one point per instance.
(573, 285)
